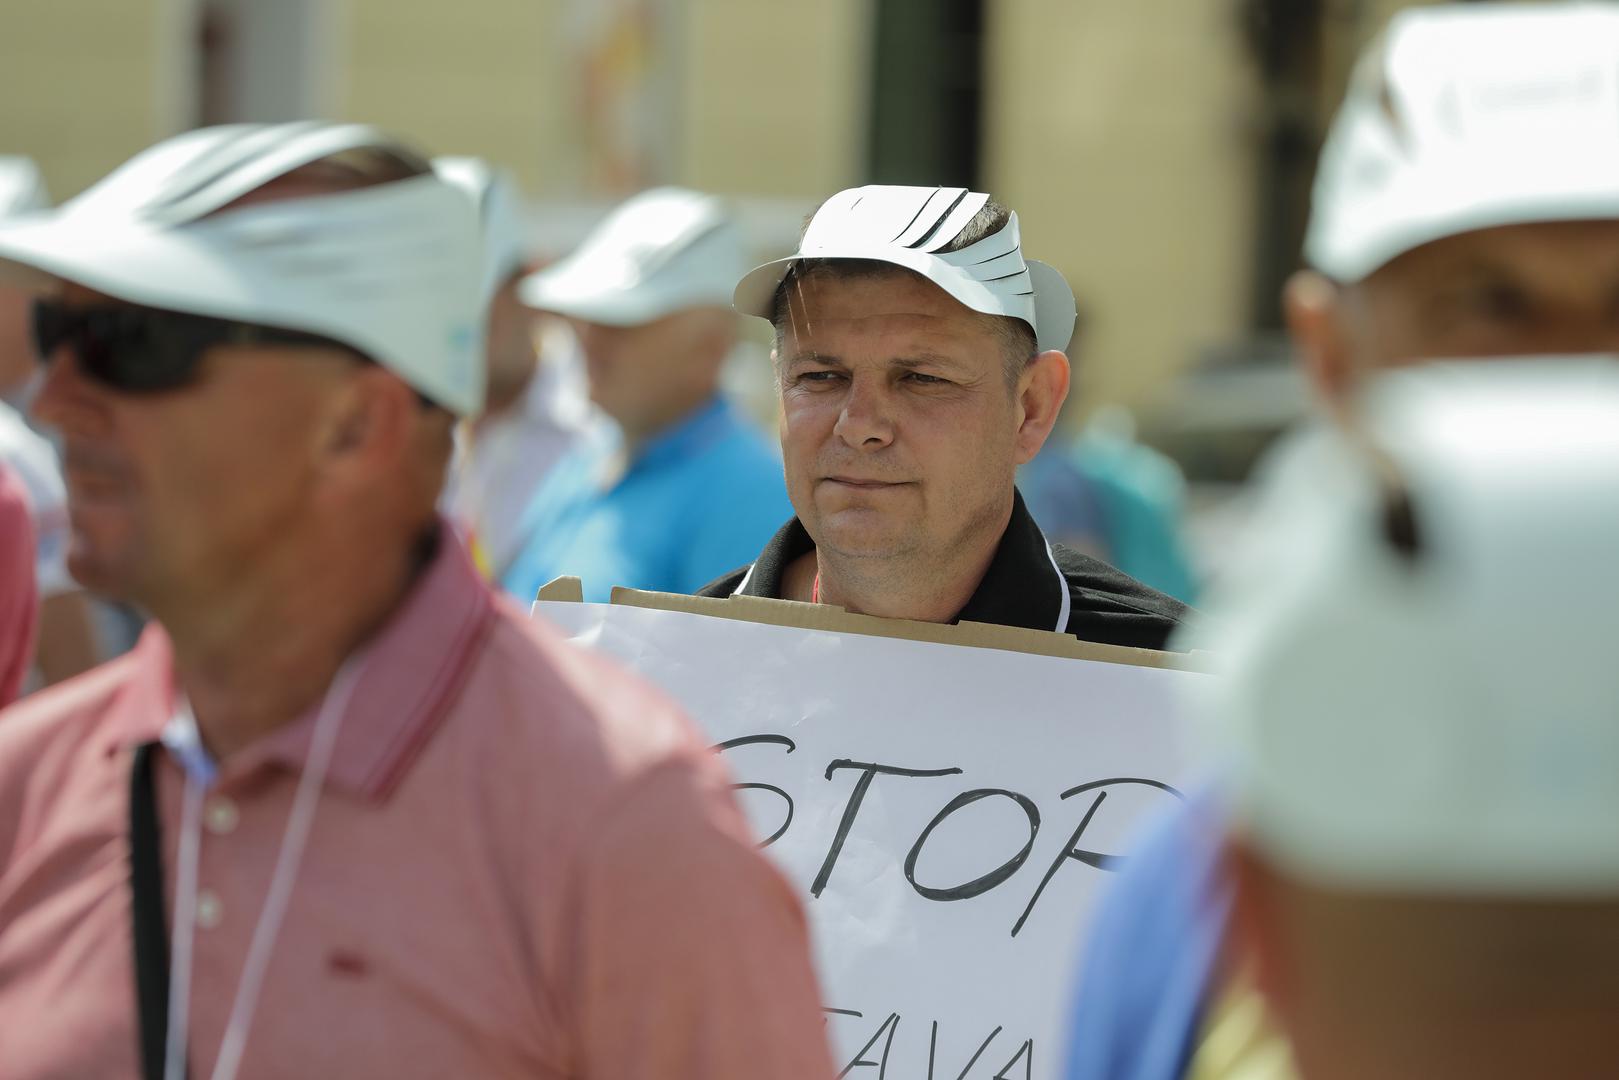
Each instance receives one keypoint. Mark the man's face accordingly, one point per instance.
(1518, 290)
(17, 362)
(636, 371)
(509, 348)
(900, 434)
(175, 490)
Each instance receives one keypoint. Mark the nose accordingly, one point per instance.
(67, 400)
(866, 422)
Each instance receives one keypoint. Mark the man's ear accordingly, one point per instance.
(368, 426)
(1312, 303)
(1041, 390)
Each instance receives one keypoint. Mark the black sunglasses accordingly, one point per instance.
(145, 350)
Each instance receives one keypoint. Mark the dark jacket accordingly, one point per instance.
(1028, 583)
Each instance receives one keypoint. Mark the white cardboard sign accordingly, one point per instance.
(949, 812)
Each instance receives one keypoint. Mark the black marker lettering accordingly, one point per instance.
(988, 881)
(1089, 858)
(868, 772)
(974, 1059)
(750, 740)
(890, 1025)
(1026, 1054)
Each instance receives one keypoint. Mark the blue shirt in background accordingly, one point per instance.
(698, 499)
(1151, 953)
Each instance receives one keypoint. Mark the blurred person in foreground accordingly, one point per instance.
(1466, 206)
(687, 486)
(67, 638)
(404, 830)
(919, 359)
(1101, 492)
(535, 407)
(1418, 738)
(19, 599)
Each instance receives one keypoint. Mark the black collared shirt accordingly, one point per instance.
(1029, 583)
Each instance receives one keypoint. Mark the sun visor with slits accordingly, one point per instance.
(392, 270)
(908, 227)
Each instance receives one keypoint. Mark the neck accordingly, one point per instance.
(254, 655)
(931, 587)
(672, 410)
(502, 394)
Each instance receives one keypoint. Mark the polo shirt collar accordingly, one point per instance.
(410, 675)
(1022, 587)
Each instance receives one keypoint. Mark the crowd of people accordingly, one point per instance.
(307, 427)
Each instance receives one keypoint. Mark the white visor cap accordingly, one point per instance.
(665, 250)
(1468, 117)
(907, 226)
(499, 206)
(22, 188)
(390, 270)
(1441, 722)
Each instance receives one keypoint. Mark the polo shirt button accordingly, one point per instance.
(220, 816)
(209, 910)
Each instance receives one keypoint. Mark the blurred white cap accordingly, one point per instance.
(663, 251)
(1439, 716)
(495, 196)
(1465, 117)
(22, 188)
(906, 226)
(391, 270)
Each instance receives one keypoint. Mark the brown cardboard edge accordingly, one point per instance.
(771, 612)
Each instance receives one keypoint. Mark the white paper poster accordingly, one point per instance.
(948, 811)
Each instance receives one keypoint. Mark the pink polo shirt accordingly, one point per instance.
(19, 597)
(523, 863)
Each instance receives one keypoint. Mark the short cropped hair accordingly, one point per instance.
(1017, 337)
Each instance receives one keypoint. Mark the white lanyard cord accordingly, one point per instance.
(299, 820)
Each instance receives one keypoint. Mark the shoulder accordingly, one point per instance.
(53, 740)
(1152, 949)
(593, 723)
(1114, 608)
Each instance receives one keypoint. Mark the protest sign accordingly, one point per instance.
(948, 810)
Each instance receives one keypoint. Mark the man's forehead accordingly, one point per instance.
(874, 301)
(1521, 247)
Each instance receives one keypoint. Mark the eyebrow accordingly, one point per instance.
(909, 362)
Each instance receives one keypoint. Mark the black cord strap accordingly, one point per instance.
(149, 912)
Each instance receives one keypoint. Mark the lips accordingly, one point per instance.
(864, 484)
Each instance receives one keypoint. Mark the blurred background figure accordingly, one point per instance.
(535, 407)
(687, 487)
(19, 599)
(1103, 493)
(67, 641)
(1417, 715)
(1466, 206)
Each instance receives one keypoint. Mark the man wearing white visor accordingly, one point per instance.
(343, 811)
(535, 409)
(67, 639)
(1466, 206)
(687, 487)
(1421, 744)
(920, 361)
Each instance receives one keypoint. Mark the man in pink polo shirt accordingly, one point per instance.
(342, 812)
(19, 598)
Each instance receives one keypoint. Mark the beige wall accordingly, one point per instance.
(774, 96)
(481, 77)
(86, 83)
(1115, 130)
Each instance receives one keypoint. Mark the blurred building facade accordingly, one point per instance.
(1158, 151)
